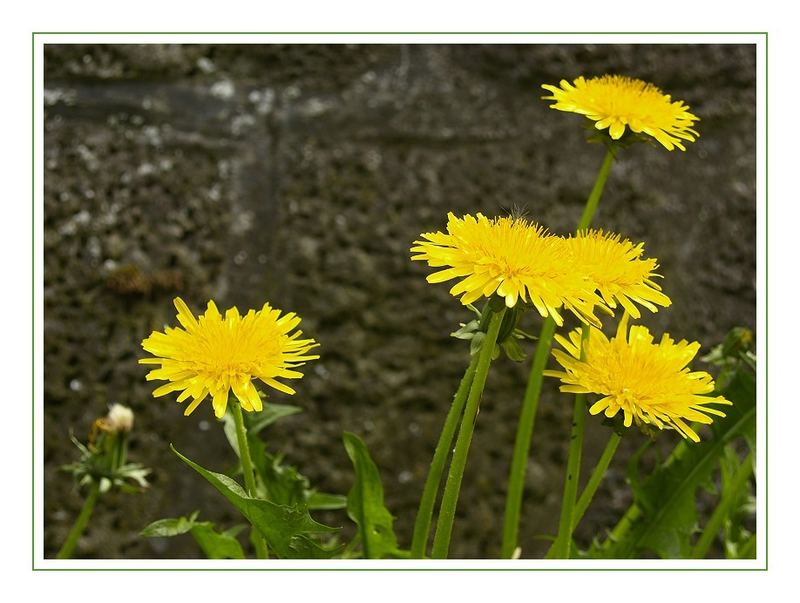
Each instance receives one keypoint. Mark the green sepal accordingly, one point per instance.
(476, 342)
(96, 465)
(513, 350)
(475, 330)
(467, 330)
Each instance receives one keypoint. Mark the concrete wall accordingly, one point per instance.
(301, 175)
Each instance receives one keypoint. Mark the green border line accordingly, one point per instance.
(33, 302)
(401, 569)
(402, 33)
(766, 307)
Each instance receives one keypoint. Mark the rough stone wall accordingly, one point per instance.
(300, 174)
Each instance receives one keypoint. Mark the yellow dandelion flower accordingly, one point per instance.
(512, 258)
(214, 354)
(618, 270)
(650, 382)
(616, 102)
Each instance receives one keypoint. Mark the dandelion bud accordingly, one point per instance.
(120, 418)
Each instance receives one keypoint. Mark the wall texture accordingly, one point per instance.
(301, 174)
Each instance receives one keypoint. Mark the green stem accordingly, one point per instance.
(594, 480)
(723, 509)
(422, 525)
(247, 469)
(563, 544)
(80, 523)
(591, 487)
(119, 449)
(623, 525)
(522, 443)
(597, 191)
(447, 511)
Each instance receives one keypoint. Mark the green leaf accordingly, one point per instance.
(632, 471)
(666, 499)
(169, 527)
(365, 503)
(328, 502)
(216, 545)
(287, 529)
(284, 484)
(278, 482)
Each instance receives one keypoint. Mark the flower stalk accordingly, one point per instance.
(597, 191)
(447, 510)
(595, 478)
(80, 523)
(247, 469)
(530, 403)
(563, 542)
(522, 442)
(422, 524)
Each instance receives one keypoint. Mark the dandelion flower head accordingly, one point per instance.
(618, 270)
(512, 258)
(214, 354)
(649, 382)
(617, 102)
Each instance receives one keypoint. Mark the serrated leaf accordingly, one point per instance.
(287, 529)
(365, 504)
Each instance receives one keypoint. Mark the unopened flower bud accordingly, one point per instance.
(120, 418)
